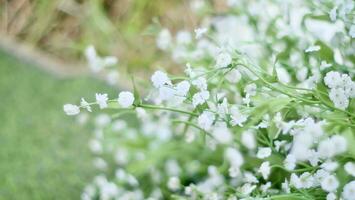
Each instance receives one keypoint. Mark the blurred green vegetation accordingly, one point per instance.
(44, 153)
(65, 28)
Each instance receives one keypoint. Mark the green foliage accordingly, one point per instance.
(43, 154)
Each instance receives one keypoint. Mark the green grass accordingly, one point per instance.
(43, 152)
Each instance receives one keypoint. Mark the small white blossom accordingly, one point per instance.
(223, 60)
(290, 162)
(330, 183)
(159, 79)
(183, 37)
(265, 187)
(125, 99)
(85, 104)
(333, 14)
(101, 99)
(332, 79)
(233, 171)
(330, 166)
(286, 187)
(200, 83)
(306, 180)
(200, 98)
(164, 39)
(234, 157)
(265, 169)
(349, 191)
(331, 196)
(221, 133)
(312, 48)
(200, 32)
(263, 152)
(205, 120)
(247, 188)
(237, 117)
(248, 139)
(234, 76)
(71, 109)
(352, 31)
(324, 65)
(182, 88)
(250, 89)
(350, 168)
(174, 183)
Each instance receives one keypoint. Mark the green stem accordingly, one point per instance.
(166, 108)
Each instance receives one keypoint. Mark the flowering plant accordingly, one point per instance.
(254, 116)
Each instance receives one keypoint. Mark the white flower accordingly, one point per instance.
(223, 60)
(125, 99)
(100, 163)
(237, 117)
(306, 180)
(283, 75)
(326, 149)
(333, 14)
(331, 196)
(205, 120)
(349, 191)
(350, 168)
(290, 162)
(200, 83)
(312, 48)
(101, 99)
(183, 37)
(263, 152)
(166, 92)
(265, 169)
(233, 171)
(332, 79)
(264, 188)
(174, 183)
(330, 183)
(221, 133)
(85, 104)
(247, 188)
(250, 89)
(340, 143)
(352, 31)
(233, 76)
(182, 88)
(95, 146)
(159, 79)
(302, 73)
(250, 178)
(286, 187)
(324, 65)
(71, 109)
(248, 139)
(278, 144)
(112, 77)
(200, 32)
(164, 39)
(234, 157)
(200, 98)
(97, 63)
(339, 98)
(330, 166)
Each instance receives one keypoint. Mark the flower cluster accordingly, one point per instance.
(243, 121)
(341, 88)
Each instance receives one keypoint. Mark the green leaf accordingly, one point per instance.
(137, 98)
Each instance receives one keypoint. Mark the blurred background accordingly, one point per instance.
(44, 154)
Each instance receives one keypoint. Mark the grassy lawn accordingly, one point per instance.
(43, 152)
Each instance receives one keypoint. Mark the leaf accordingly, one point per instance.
(137, 98)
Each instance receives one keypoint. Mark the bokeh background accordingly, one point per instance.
(43, 153)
